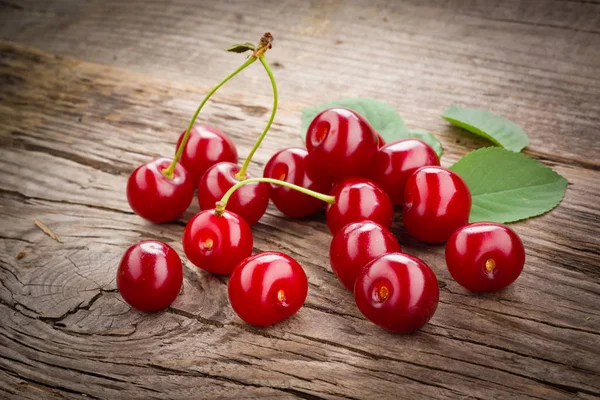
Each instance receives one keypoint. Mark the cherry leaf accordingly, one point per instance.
(241, 47)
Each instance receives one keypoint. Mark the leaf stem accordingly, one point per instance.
(169, 171)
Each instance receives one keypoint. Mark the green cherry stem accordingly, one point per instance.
(169, 171)
(220, 206)
(241, 175)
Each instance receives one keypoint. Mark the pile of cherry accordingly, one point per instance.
(347, 166)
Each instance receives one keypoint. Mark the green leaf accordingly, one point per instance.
(501, 131)
(241, 47)
(427, 138)
(507, 186)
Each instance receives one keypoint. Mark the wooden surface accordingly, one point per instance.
(91, 89)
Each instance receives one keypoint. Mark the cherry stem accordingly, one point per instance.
(169, 171)
(220, 205)
(241, 175)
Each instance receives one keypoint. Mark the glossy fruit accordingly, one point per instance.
(396, 161)
(436, 203)
(205, 147)
(341, 143)
(155, 197)
(217, 243)
(380, 141)
(357, 244)
(292, 165)
(398, 292)
(358, 199)
(485, 256)
(249, 201)
(150, 275)
(267, 288)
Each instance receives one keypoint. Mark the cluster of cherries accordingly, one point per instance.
(347, 167)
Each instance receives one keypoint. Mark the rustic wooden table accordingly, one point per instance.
(89, 90)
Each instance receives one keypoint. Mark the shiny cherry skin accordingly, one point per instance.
(485, 256)
(249, 201)
(380, 141)
(357, 244)
(150, 275)
(267, 288)
(436, 203)
(398, 292)
(358, 199)
(396, 161)
(205, 147)
(153, 196)
(217, 243)
(341, 143)
(292, 165)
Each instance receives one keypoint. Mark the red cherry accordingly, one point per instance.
(341, 143)
(267, 288)
(205, 147)
(485, 256)
(436, 203)
(155, 197)
(150, 275)
(358, 199)
(357, 244)
(249, 201)
(398, 292)
(380, 141)
(217, 243)
(396, 161)
(292, 165)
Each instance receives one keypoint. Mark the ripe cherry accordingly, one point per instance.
(398, 292)
(249, 201)
(150, 275)
(292, 165)
(205, 147)
(436, 203)
(357, 244)
(396, 161)
(380, 141)
(485, 256)
(341, 143)
(217, 243)
(155, 197)
(267, 288)
(358, 199)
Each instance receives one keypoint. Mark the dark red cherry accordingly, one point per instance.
(436, 203)
(398, 292)
(292, 165)
(396, 161)
(341, 143)
(380, 141)
(267, 288)
(205, 147)
(155, 197)
(358, 199)
(357, 244)
(485, 256)
(150, 275)
(249, 201)
(217, 243)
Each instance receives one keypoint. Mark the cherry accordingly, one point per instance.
(341, 143)
(380, 141)
(396, 161)
(217, 241)
(150, 275)
(485, 256)
(398, 292)
(292, 165)
(206, 146)
(154, 196)
(355, 245)
(358, 199)
(436, 203)
(267, 288)
(249, 201)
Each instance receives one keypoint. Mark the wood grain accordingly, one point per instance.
(76, 121)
